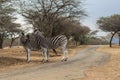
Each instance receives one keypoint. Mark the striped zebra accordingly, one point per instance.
(37, 41)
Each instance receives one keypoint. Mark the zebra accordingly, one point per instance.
(37, 31)
(37, 41)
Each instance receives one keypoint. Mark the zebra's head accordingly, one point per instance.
(38, 32)
(24, 38)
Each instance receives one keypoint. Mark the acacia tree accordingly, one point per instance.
(6, 20)
(47, 14)
(110, 24)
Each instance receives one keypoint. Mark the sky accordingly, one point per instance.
(97, 9)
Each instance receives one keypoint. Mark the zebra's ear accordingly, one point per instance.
(22, 34)
(28, 36)
(35, 31)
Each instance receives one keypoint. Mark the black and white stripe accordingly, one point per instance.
(36, 41)
(57, 41)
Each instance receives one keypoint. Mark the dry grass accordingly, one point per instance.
(15, 57)
(110, 71)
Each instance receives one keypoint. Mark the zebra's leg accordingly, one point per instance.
(54, 51)
(28, 54)
(45, 55)
(65, 54)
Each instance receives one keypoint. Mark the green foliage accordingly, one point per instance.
(110, 23)
(80, 34)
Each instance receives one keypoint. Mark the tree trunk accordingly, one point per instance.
(12, 40)
(1, 45)
(1, 40)
(81, 42)
(76, 43)
(119, 40)
(112, 38)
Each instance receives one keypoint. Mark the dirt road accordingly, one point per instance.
(73, 69)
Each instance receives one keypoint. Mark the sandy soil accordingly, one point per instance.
(111, 71)
(15, 57)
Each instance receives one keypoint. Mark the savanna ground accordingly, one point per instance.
(110, 71)
(15, 57)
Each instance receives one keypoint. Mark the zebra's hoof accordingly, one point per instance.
(44, 60)
(64, 60)
(28, 61)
